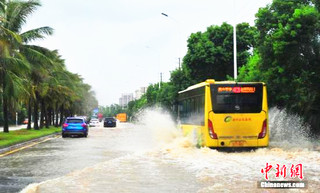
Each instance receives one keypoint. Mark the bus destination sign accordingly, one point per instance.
(229, 89)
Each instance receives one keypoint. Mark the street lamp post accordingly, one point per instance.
(166, 15)
(235, 66)
(235, 71)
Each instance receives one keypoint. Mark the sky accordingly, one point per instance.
(119, 46)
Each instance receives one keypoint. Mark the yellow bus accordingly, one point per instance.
(225, 114)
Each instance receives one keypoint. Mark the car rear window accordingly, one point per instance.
(109, 119)
(74, 121)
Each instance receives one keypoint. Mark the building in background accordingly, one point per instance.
(125, 99)
(138, 93)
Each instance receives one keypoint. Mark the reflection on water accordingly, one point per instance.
(162, 160)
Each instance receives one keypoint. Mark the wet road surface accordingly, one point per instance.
(55, 158)
(149, 157)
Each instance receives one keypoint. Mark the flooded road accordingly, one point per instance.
(152, 156)
(55, 158)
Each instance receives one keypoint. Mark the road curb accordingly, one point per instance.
(14, 148)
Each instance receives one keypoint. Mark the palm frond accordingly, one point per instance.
(2, 6)
(17, 13)
(10, 35)
(14, 85)
(15, 64)
(34, 56)
(34, 34)
(45, 51)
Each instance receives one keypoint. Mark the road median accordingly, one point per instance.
(21, 138)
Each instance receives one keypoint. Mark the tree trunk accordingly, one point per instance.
(43, 113)
(61, 115)
(57, 116)
(5, 115)
(29, 114)
(5, 105)
(52, 116)
(36, 114)
(48, 117)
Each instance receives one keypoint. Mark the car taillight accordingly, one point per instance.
(84, 125)
(212, 134)
(263, 132)
(65, 125)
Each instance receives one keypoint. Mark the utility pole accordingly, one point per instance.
(235, 66)
(160, 80)
(179, 34)
(235, 52)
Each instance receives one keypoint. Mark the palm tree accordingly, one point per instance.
(15, 54)
(52, 86)
(38, 73)
(12, 63)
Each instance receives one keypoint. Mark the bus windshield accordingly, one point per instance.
(236, 98)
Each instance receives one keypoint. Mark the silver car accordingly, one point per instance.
(94, 123)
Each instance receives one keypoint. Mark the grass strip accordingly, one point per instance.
(23, 135)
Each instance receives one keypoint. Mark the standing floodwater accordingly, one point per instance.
(159, 159)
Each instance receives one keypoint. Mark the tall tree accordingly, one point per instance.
(210, 53)
(288, 55)
(16, 14)
(38, 73)
(13, 65)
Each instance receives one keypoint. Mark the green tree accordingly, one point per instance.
(250, 72)
(112, 110)
(210, 54)
(151, 94)
(136, 105)
(34, 75)
(288, 55)
(13, 65)
(18, 11)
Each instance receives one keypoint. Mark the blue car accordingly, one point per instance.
(74, 126)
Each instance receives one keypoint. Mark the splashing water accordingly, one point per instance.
(161, 127)
(286, 130)
(289, 130)
(159, 123)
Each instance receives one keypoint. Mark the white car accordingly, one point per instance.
(94, 123)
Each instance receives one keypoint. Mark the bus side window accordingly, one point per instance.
(184, 111)
(188, 109)
(201, 109)
(181, 111)
(180, 107)
(192, 101)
